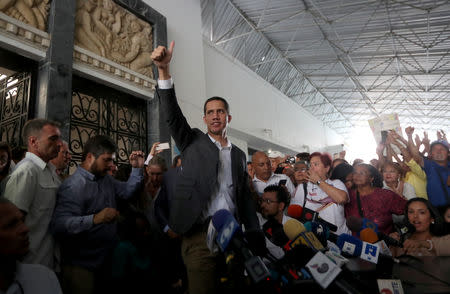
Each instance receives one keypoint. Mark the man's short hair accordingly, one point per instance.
(282, 194)
(159, 161)
(225, 103)
(33, 127)
(98, 145)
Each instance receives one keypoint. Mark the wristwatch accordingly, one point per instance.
(318, 182)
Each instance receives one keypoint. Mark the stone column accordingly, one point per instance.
(55, 71)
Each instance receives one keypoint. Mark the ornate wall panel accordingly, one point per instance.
(33, 13)
(118, 39)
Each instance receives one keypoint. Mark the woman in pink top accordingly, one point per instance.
(375, 203)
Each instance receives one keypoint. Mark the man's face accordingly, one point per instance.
(439, 153)
(103, 164)
(270, 207)
(13, 231)
(63, 159)
(262, 167)
(155, 175)
(47, 144)
(274, 162)
(216, 117)
(251, 171)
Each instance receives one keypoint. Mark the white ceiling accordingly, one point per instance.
(344, 61)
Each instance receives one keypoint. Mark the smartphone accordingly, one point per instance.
(282, 183)
(384, 136)
(162, 146)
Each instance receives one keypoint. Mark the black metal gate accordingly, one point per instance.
(14, 107)
(97, 109)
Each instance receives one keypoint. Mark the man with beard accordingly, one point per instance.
(273, 203)
(16, 277)
(85, 214)
(32, 188)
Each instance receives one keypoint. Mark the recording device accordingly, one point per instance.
(290, 160)
(162, 146)
(384, 136)
(305, 214)
(230, 239)
(282, 182)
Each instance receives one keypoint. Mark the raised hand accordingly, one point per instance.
(137, 159)
(162, 56)
(409, 131)
(153, 151)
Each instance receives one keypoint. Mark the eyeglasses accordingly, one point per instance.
(300, 170)
(267, 201)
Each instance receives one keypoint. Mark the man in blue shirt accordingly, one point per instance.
(85, 215)
(437, 169)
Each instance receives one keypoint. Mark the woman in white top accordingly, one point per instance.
(391, 180)
(324, 195)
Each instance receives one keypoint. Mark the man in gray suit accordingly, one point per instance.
(213, 176)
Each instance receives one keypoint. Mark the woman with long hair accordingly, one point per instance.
(426, 227)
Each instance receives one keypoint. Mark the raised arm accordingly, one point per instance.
(413, 149)
(126, 189)
(396, 139)
(178, 125)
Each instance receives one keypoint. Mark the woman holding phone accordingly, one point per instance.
(323, 195)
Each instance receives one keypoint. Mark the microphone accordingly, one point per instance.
(296, 232)
(356, 224)
(389, 240)
(321, 231)
(403, 229)
(368, 228)
(349, 245)
(368, 235)
(305, 214)
(230, 238)
(275, 233)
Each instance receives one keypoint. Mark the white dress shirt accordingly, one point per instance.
(274, 179)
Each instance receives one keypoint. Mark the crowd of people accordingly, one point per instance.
(142, 227)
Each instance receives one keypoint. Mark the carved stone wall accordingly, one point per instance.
(108, 30)
(32, 12)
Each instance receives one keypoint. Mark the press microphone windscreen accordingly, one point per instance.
(292, 228)
(295, 211)
(368, 235)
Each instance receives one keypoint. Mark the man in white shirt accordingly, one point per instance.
(214, 176)
(32, 187)
(265, 177)
(15, 277)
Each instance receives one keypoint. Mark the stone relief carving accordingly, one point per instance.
(108, 30)
(32, 12)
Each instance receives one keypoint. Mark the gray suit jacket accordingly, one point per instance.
(198, 177)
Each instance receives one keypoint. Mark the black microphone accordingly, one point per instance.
(230, 238)
(275, 233)
(389, 240)
(404, 229)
